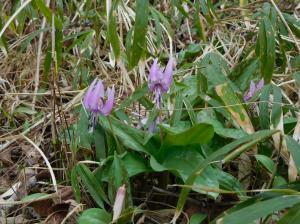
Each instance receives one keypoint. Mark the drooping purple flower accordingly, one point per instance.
(254, 88)
(160, 81)
(94, 101)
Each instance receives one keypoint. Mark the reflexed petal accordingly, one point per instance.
(101, 88)
(252, 88)
(107, 107)
(154, 70)
(95, 97)
(168, 75)
(260, 84)
(86, 99)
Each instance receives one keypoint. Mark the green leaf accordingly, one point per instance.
(58, 47)
(266, 41)
(177, 110)
(199, 134)
(140, 31)
(266, 162)
(92, 185)
(184, 160)
(264, 115)
(130, 137)
(297, 77)
(135, 164)
(197, 218)
(84, 138)
(75, 184)
(276, 108)
(259, 209)
(35, 197)
(237, 147)
(99, 138)
(238, 113)
(112, 34)
(294, 149)
(209, 117)
(94, 216)
(292, 216)
(190, 110)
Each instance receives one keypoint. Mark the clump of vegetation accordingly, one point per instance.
(192, 117)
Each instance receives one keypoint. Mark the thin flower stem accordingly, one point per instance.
(160, 127)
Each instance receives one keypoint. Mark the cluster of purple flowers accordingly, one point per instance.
(94, 101)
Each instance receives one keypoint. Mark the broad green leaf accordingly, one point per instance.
(197, 218)
(294, 149)
(209, 117)
(99, 138)
(237, 147)
(94, 216)
(259, 210)
(135, 164)
(266, 162)
(140, 31)
(279, 181)
(183, 161)
(84, 138)
(292, 216)
(237, 111)
(199, 134)
(92, 185)
(130, 137)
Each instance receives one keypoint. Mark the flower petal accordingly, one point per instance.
(252, 89)
(107, 107)
(260, 85)
(96, 97)
(153, 75)
(86, 99)
(168, 75)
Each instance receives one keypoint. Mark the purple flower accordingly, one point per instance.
(254, 88)
(159, 82)
(94, 102)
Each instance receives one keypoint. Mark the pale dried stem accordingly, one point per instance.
(54, 182)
